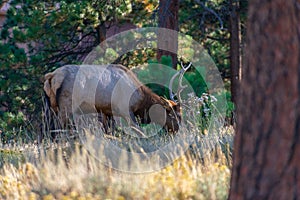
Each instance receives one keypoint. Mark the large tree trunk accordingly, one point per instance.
(168, 18)
(267, 143)
(235, 61)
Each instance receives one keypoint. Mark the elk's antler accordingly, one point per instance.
(180, 86)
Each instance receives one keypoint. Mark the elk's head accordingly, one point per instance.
(173, 107)
(173, 114)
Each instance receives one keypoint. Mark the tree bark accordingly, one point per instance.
(235, 59)
(168, 18)
(101, 32)
(267, 143)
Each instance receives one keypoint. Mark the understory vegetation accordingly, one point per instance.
(197, 166)
(38, 37)
(76, 27)
(84, 177)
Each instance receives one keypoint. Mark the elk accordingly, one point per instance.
(112, 90)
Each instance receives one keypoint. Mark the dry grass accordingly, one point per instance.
(68, 170)
(86, 178)
(61, 173)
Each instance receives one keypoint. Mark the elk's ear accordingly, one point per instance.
(169, 104)
(172, 103)
(165, 102)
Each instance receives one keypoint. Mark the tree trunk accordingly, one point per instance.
(235, 60)
(267, 143)
(168, 18)
(101, 31)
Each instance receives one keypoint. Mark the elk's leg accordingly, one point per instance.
(112, 122)
(133, 119)
(107, 122)
(103, 119)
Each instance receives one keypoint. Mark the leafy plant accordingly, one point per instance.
(39, 36)
(10, 125)
(154, 72)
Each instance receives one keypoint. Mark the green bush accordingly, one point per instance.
(195, 77)
(151, 74)
(10, 125)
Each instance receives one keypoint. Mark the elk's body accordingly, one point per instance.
(112, 90)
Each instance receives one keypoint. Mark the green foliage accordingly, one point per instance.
(14, 128)
(151, 74)
(204, 108)
(13, 157)
(9, 122)
(39, 36)
(196, 79)
(208, 23)
(144, 13)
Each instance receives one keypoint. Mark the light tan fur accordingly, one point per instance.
(85, 94)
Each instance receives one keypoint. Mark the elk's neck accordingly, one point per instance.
(149, 99)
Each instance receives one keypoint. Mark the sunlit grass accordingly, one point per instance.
(84, 177)
(69, 170)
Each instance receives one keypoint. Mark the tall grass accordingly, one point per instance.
(88, 169)
(82, 176)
